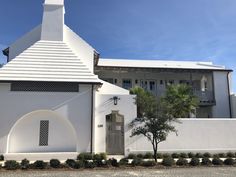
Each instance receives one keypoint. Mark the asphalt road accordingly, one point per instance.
(183, 172)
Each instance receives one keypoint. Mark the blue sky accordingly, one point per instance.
(202, 30)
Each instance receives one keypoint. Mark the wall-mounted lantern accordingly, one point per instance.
(115, 99)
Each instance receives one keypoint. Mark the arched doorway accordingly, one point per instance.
(42, 131)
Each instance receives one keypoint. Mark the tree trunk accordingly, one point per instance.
(154, 145)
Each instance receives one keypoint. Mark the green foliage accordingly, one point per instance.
(217, 161)
(101, 156)
(207, 155)
(11, 165)
(85, 156)
(137, 162)
(153, 121)
(199, 155)
(222, 155)
(25, 164)
(124, 162)
(148, 155)
(39, 164)
(55, 163)
(132, 156)
(1, 158)
(206, 161)
(175, 155)
(230, 154)
(89, 164)
(71, 163)
(166, 155)
(149, 163)
(194, 161)
(181, 162)
(191, 155)
(159, 155)
(229, 161)
(168, 161)
(180, 100)
(113, 162)
(183, 155)
(141, 156)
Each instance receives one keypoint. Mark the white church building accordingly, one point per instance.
(58, 98)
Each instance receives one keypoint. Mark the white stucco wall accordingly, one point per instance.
(76, 107)
(104, 106)
(194, 135)
(233, 105)
(222, 107)
(24, 42)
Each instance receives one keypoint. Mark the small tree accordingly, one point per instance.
(153, 121)
(179, 100)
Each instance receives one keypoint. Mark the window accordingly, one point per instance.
(43, 134)
(144, 84)
(45, 86)
(161, 82)
(152, 86)
(171, 82)
(127, 84)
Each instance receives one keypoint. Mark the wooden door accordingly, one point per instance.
(115, 133)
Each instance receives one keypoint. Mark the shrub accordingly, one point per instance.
(136, 162)
(175, 155)
(230, 154)
(183, 155)
(191, 155)
(207, 155)
(217, 161)
(85, 156)
(168, 161)
(206, 161)
(25, 164)
(148, 155)
(194, 161)
(159, 155)
(55, 163)
(1, 158)
(88, 164)
(124, 161)
(199, 155)
(222, 155)
(166, 155)
(216, 156)
(149, 163)
(98, 163)
(229, 161)
(39, 164)
(113, 162)
(141, 156)
(97, 157)
(103, 156)
(182, 162)
(11, 165)
(71, 163)
(132, 156)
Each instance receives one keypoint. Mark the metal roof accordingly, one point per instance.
(105, 62)
(52, 61)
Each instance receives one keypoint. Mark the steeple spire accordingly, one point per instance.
(53, 20)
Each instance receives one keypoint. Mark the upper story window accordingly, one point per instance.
(127, 84)
(152, 85)
(44, 87)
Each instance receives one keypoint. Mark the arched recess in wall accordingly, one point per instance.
(42, 131)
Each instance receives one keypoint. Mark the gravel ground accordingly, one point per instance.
(183, 172)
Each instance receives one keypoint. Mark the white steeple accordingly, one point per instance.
(53, 20)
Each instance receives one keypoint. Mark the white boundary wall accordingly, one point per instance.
(195, 135)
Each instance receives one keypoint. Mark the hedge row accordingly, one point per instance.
(77, 164)
(183, 155)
